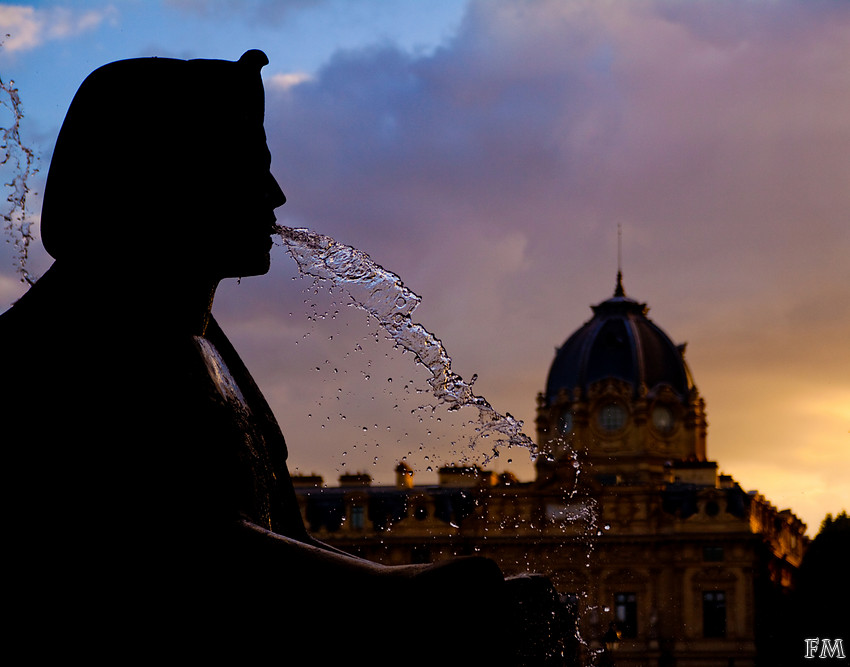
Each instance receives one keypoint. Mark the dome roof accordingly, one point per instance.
(621, 342)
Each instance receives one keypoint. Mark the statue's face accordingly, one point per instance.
(177, 165)
(238, 204)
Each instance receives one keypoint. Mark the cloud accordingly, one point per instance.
(255, 10)
(569, 117)
(492, 173)
(22, 28)
(28, 27)
(285, 81)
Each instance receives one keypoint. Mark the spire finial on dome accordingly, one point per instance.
(619, 291)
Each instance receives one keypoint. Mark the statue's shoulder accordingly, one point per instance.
(217, 338)
(253, 395)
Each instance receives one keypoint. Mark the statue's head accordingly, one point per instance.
(163, 161)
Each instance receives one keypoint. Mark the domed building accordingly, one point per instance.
(620, 393)
(666, 560)
(691, 569)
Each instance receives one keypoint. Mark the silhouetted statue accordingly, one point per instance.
(149, 509)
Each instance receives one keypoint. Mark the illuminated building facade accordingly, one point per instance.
(627, 515)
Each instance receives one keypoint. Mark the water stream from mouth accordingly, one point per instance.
(382, 294)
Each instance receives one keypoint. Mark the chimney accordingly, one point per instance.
(354, 480)
(403, 476)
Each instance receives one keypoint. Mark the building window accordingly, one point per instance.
(714, 614)
(420, 554)
(662, 419)
(612, 417)
(625, 611)
(712, 554)
(357, 517)
(712, 508)
(609, 479)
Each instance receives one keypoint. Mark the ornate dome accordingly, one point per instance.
(621, 342)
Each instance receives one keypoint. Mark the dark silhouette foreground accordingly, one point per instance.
(149, 508)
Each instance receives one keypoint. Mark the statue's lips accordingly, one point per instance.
(264, 238)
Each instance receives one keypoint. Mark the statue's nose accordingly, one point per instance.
(274, 194)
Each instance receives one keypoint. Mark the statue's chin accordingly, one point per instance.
(256, 266)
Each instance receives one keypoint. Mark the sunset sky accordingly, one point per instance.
(487, 152)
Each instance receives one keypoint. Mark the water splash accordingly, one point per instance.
(382, 294)
(21, 160)
(391, 303)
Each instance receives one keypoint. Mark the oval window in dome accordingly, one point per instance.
(612, 417)
(662, 419)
